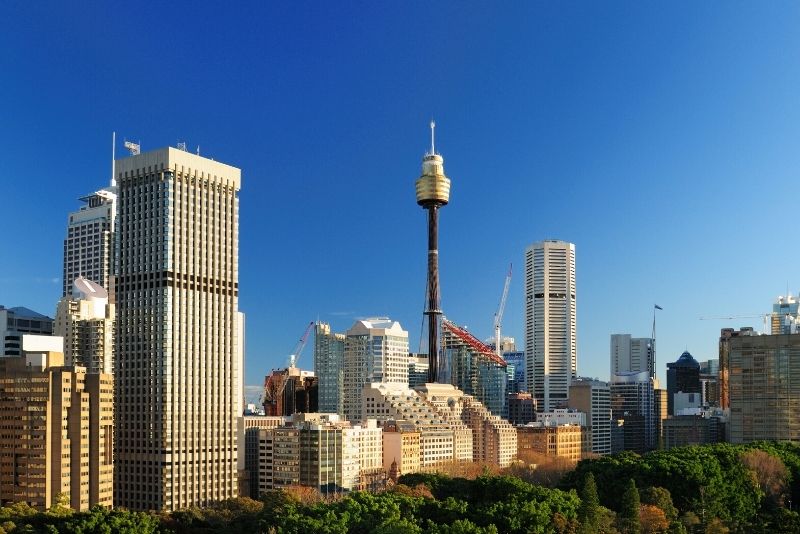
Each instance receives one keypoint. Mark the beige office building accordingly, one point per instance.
(561, 441)
(57, 432)
(177, 375)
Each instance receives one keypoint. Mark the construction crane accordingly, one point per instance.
(301, 344)
(275, 385)
(498, 316)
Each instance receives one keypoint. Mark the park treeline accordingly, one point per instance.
(710, 489)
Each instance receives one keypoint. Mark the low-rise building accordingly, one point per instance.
(322, 452)
(562, 441)
(694, 426)
(248, 427)
(401, 447)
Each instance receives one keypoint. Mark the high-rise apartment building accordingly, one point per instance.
(593, 397)
(632, 354)
(177, 370)
(764, 388)
(329, 367)
(85, 319)
(89, 245)
(376, 350)
(57, 429)
(725, 336)
(551, 345)
(15, 322)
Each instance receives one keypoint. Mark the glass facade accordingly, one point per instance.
(475, 369)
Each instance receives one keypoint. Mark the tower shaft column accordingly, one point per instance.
(433, 312)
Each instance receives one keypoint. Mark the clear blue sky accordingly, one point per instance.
(661, 138)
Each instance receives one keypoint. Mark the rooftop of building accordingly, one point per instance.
(21, 311)
(83, 288)
(685, 360)
(365, 326)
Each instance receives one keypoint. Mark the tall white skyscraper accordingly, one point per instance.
(632, 354)
(177, 378)
(89, 245)
(550, 322)
(375, 350)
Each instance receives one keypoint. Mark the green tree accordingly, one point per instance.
(590, 505)
(629, 509)
(661, 498)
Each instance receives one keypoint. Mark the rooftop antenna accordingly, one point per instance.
(433, 131)
(198, 150)
(182, 145)
(113, 158)
(134, 148)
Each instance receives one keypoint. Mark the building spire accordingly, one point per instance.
(113, 158)
(433, 131)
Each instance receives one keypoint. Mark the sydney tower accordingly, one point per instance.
(433, 192)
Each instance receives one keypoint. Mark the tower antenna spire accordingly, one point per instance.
(113, 158)
(433, 131)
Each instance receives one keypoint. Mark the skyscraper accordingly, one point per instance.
(329, 367)
(375, 350)
(550, 322)
(89, 245)
(683, 375)
(632, 354)
(177, 377)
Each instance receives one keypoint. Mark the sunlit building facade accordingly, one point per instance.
(177, 375)
(551, 342)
